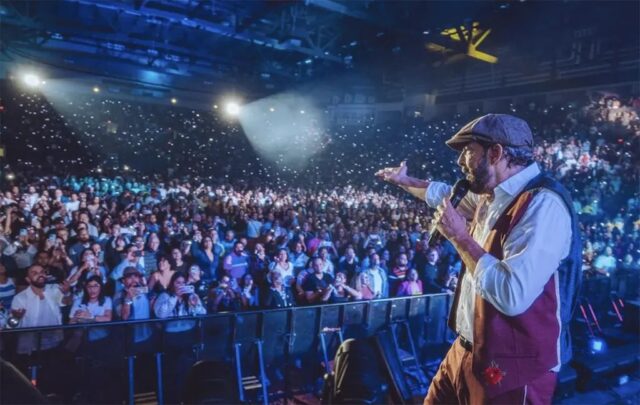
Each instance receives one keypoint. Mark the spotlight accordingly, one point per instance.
(215, 106)
(31, 80)
(174, 100)
(96, 89)
(232, 108)
(597, 345)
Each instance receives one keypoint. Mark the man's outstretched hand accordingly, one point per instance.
(394, 175)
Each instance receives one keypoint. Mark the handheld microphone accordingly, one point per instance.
(458, 192)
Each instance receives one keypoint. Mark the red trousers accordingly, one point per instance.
(455, 383)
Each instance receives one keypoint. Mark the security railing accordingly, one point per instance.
(265, 353)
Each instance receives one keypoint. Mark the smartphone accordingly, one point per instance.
(142, 290)
(187, 289)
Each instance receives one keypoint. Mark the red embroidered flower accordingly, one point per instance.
(492, 374)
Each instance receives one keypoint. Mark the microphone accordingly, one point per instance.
(458, 192)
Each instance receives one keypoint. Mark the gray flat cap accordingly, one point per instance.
(504, 129)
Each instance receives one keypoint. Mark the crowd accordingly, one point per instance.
(219, 237)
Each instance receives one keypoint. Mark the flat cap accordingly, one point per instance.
(504, 129)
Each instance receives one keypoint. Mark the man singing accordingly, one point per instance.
(521, 267)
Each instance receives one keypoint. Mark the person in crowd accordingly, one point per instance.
(236, 263)
(224, 297)
(377, 277)
(430, 277)
(195, 279)
(160, 280)
(605, 263)
(205, 256)
(327, 264)
(399, 272)
(39, 305)
(362, 284)
(412, 285)
(83, 243)
(282, 265)
(87, 268)
(341, 291)
(131, 259)
(179, 299)
(7, 288)
(278, 295)
(150, 253)
(317, 285)
(348, 263)
(259, 265)
(93, 306)
(177, 261)
(248, 292)
(298, 257)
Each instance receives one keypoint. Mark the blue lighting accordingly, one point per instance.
(597, 345)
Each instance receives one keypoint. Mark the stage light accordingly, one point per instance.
(301, 111)
(126, 168)
(272, 109)
(31, 80)
(597, 345)
(174, 100)
(10, 176)
(215, 106)
(99, 170)
(96, 89)
(232, 108)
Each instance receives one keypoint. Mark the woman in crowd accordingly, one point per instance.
(341, 292)
(283, 266)
(160, 280)
(179, 299)
(363, 286)
(412, 285)
(88, 267)
(278, 295)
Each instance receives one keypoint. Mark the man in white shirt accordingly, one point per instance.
(39, 305)
(507, 304)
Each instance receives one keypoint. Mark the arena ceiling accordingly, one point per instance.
(264, 46)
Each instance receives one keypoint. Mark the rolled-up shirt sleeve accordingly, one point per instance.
(532, 252)
(436, 191)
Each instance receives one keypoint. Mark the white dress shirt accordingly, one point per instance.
(39, 312)
(532, 251)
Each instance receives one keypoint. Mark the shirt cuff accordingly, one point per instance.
(435, 192)
(485, 263)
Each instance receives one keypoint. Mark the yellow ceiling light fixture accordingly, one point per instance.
(464, 42)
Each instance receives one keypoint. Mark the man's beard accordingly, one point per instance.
(479, 177)
(40, 282)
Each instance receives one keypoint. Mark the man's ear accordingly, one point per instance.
(496, 152)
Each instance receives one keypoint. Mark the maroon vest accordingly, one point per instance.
(511, 351)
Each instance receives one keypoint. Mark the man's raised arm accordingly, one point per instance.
(398, 176)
